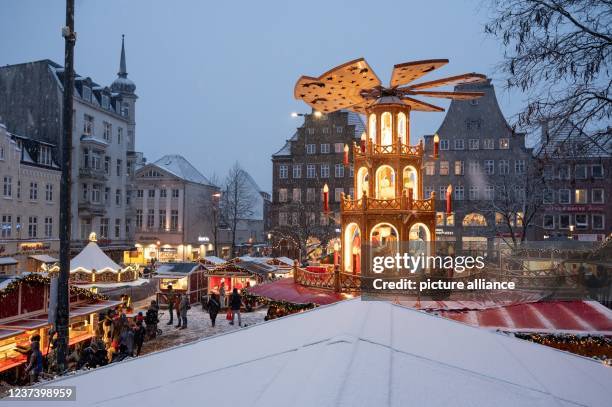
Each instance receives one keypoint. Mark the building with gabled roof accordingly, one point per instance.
(174, 208)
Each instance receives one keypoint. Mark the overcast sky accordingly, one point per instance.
(215, 79)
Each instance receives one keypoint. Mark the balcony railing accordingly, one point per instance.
(401, 203)
(92, 208)
(397, 148)
(93, 173)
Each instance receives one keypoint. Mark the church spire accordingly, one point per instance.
(122, 66)
(122, 84)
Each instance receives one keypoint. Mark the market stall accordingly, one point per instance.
(185, 278)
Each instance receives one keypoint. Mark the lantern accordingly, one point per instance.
(325, 198)
(436, 147)
(449, 199)
(346, 155)
(363, 142)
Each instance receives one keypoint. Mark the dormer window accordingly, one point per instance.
(105, 102)
(44, 156)
(87, 93)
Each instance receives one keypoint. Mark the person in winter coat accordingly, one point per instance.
(213, 308)
(183, 307)
(35, 365)
(222, 295)
(235, 304)
(177, 307)
(170, 299)
(139, 335)
(127, 339)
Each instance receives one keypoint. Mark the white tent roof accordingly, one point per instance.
(352, 353)
(93, 258)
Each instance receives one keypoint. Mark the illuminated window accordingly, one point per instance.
(385, 182)
(459, 168)
(443, 167)
(362, 182)
(504, 143)
(401, 127)
(474, 219)
(581, 196)
(282, 195)
(386, 130)
(430, 168)
(372, 127)
(409, 177)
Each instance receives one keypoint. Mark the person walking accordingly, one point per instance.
(35, 366)
(235, 304)
(170, 298)
(222, 295)
(213, 308)
(184, 306)
(139, 335)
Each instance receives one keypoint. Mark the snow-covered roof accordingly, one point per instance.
(176, 269)
(93, 258)
(355, 119)
(177, 165)
(286, 149)
(352, 353)
(44, 258)
(214, 259)
(562, 139)
(7, 260)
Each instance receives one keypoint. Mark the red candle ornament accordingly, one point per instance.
(449, 199)
(325, 198)
(346, 155)
(363, 142)
(436, 147)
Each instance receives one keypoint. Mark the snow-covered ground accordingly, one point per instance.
(198, 326)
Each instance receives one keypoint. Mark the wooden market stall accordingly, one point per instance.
(186, 278)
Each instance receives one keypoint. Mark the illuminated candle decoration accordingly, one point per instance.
(363, 142)
(346, 155)
(436, 149)
(325, 198)
(449, 199)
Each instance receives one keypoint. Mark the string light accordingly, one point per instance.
(38, 279)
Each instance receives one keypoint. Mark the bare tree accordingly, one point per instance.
(559, 53)
(516, 205)
(236, 200)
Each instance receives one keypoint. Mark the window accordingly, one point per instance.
(104, 227)
(474, 167)
(489, 192)
(323, 219)
(294, 218)
(597, 196)
(324, 170)
(18, 189)
(139, 218)
(108, 131)
(459, 144)
(504, 167)
(564, 171)
(118, 197)
(598, 221)
(95, 160)
(163, 193)
(33, 191)
(338, 194)
(310, 194)
(504, 144)
(310, 131)
(443, 167)
(580, 171)
(459, 193)
(151, 218)
(282, 195)
(88, 125)
(107, 195)
(473, 144)
(582, 221)
(162, 218)
(151, 193)
(598, 171)
(325, 130)
(339, 130)
(338, 148)
(1, 152)
(311, 171)
(6, 226)
(128, 197)
(119, 166)
(296, 196)
(139, 193)
(430, 168)
(32, 226)
(117, 228)
(442, 193)
(351, 171)
(548, 196)
(282, 218)
(175, 193)
(95, 193)
(488, 144)
(125, 109)
(473, 193)
(519, 166)
(549, 172)
(489, 166)
(85, 192)
(283, 171)
(87, 93)
(311, 148)
(428, 191)
(107, 165)
(325, 148)
(444, 144)
(297, 171)
(548, 221)
(564, 221)
(339, 170)
(459, 168)
(119, 138)
(44, 156)
(7, 188)
(105, 101)
(564, 196)
(581, 196)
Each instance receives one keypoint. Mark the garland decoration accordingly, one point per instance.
(596, 347)
(276, 308)
(38, 279)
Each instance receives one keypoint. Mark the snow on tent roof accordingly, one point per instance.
(214, 259)
(93, 258)
(180, 167)
(353, 353)
(181, 269)
(7, 260)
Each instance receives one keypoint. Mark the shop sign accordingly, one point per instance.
(443, 232)
(31, 247)
(203, 239)
(167, 250)
(149, 238)
(575, 208)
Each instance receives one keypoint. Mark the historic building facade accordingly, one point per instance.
(309, 160)
(29, 203)
(479, 153)
(578, 192)
(174, 207)
(104, 156)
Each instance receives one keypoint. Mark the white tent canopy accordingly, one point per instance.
(93, 258)
(351, 353)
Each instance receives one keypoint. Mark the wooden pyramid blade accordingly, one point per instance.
(410, 71)
(421, 106)
(449, 95)
(451, 80)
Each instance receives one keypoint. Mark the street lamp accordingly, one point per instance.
(571, 229)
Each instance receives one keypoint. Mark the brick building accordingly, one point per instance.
(311, 158)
